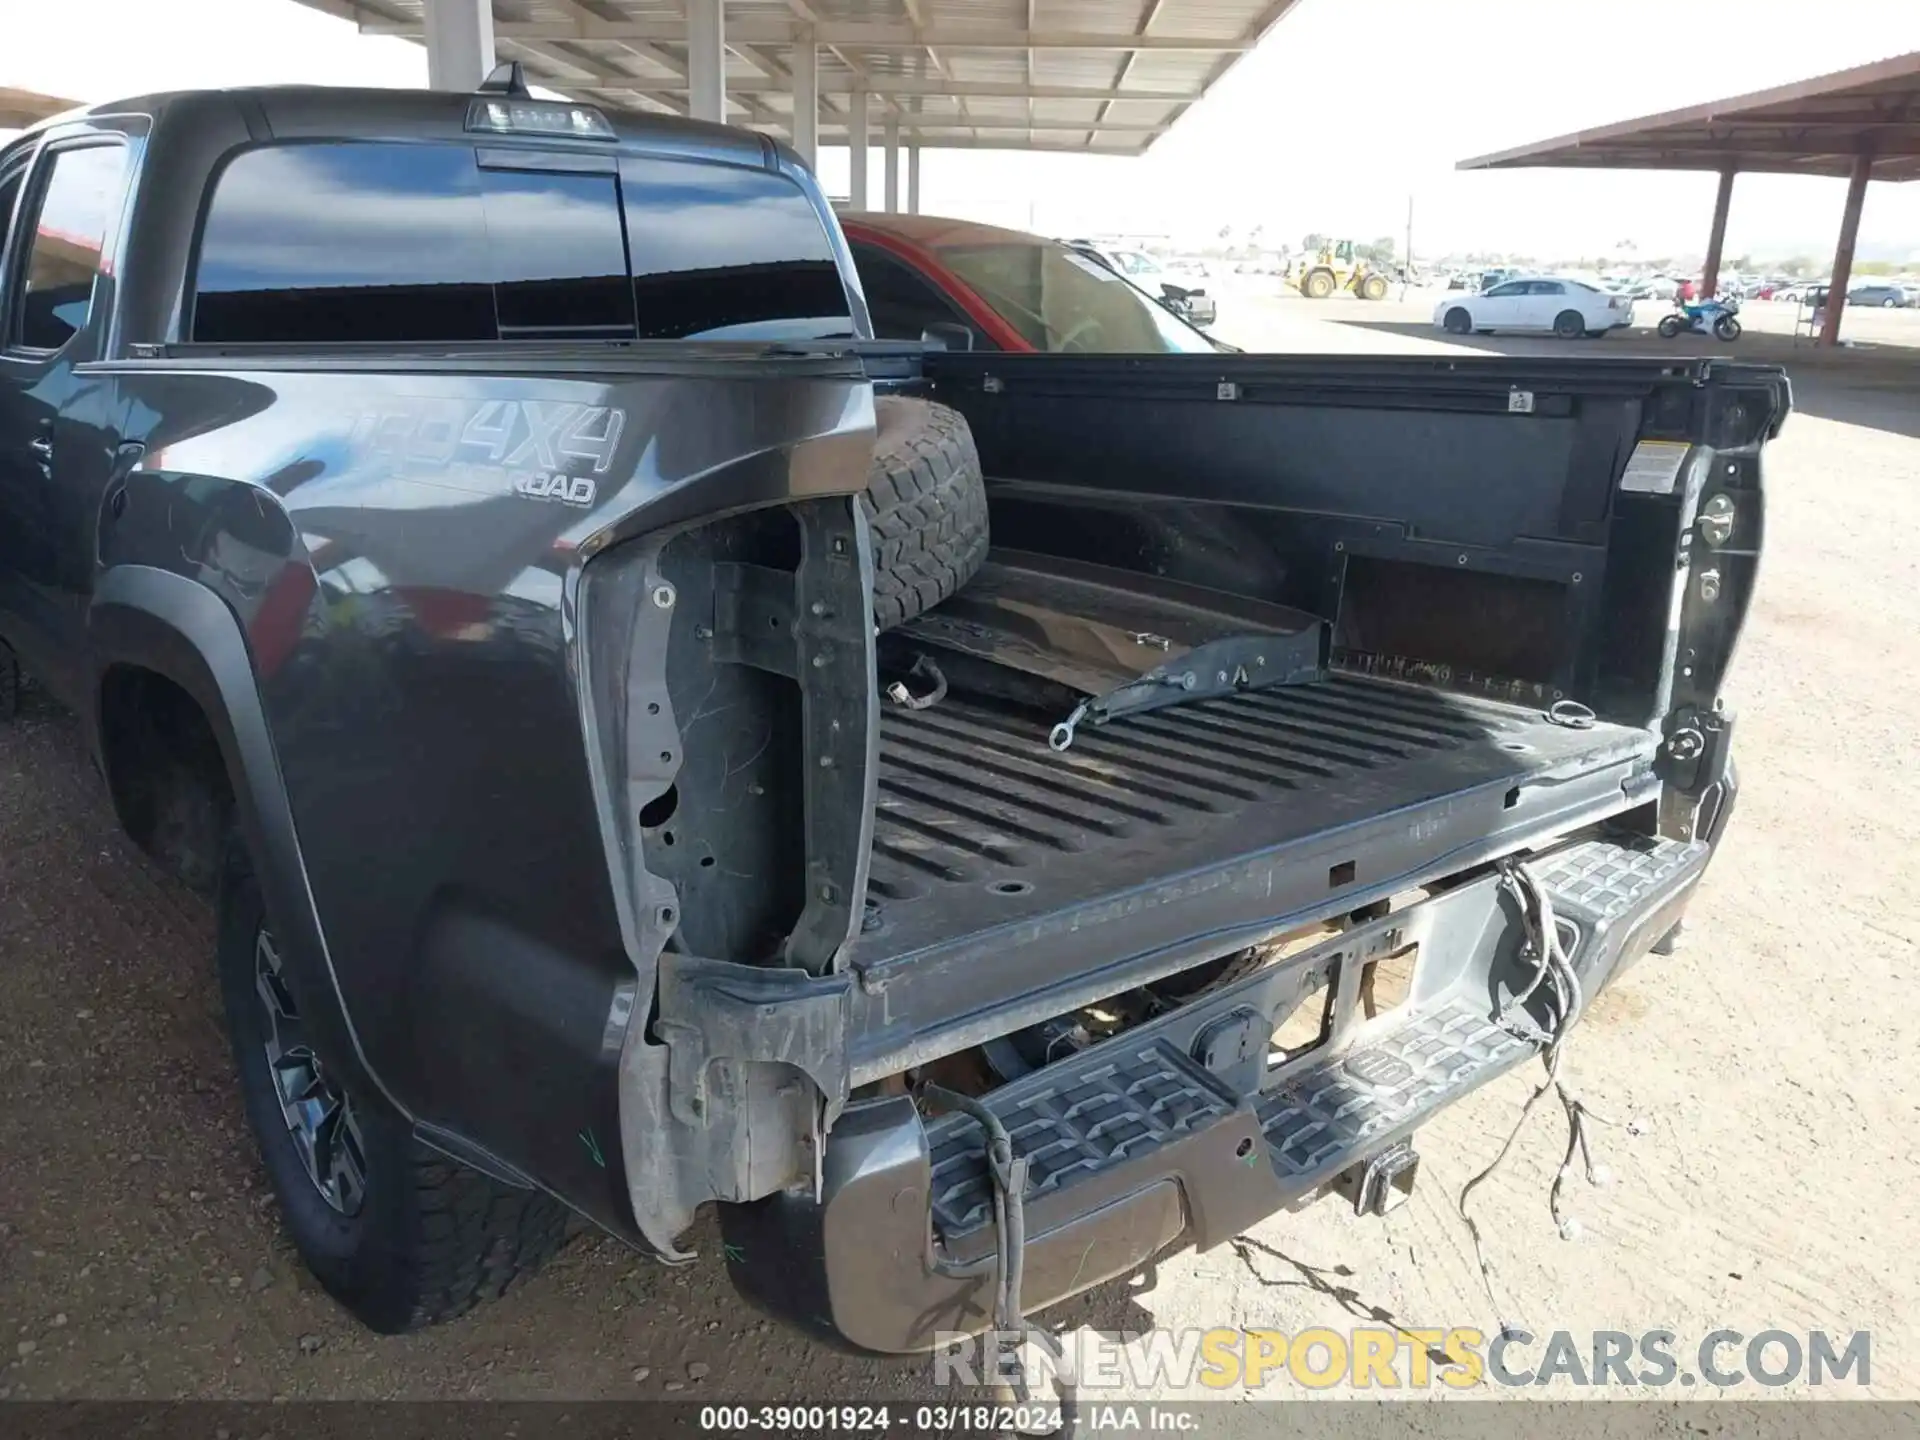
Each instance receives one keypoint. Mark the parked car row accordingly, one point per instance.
(1479, 281)
(1881, 294)
(1888, 294)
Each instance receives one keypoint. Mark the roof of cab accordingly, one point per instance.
(314, 111)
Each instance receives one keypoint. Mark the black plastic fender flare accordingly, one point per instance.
(164, 622)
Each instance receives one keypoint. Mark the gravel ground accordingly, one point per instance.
(1769, 1069)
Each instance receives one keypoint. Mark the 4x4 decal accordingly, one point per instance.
(535, 448)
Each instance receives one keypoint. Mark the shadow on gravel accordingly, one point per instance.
(1323, 1281)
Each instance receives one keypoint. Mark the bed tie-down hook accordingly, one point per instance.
(1572, 714)
(1100, 707)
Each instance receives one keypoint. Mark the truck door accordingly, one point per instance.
(57, 443)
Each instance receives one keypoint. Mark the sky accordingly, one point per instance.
(1350, 110)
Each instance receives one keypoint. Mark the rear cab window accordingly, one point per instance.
(721, 252)
(393, 242)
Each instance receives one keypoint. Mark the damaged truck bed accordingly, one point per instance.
(1160, 839)
(1209, 831)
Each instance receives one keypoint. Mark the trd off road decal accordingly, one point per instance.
(545, 450)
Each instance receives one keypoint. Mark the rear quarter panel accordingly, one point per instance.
(403, 551)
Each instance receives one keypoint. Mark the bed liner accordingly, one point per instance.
(989, 847)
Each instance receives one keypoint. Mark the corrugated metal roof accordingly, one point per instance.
(1109, 76)
(1815, 127)
(21, 108)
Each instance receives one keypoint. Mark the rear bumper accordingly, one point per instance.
(1181, 1132)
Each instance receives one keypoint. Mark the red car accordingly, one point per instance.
(978, 287)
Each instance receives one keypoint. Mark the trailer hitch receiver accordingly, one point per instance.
(1383, 1183)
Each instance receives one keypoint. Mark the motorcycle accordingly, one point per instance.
(1717, 318)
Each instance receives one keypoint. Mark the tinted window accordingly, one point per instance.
(346, 242)
(902, 303)
(721, 252)
(1547, 287)
(80, 199)
(1060, 300)
(1514, 287)
(559, 259)
(388, 242)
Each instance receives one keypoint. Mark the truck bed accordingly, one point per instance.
(988, 844)
(976, 810)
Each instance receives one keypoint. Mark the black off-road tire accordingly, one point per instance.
(431, 1238)
(926, 505)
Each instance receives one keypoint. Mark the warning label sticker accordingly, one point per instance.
(1654, 467)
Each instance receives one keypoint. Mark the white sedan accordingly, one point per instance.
(1568, 308)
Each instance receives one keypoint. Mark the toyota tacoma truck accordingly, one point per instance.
(655, 750)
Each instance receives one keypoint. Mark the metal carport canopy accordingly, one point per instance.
(1823, 126)
(1862, 123)
(1089, 76)
(21, 108)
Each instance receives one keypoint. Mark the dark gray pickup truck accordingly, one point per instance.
(630, 782)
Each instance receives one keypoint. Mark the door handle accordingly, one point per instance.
(42, 445)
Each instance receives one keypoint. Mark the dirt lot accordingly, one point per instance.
(1768, 1070)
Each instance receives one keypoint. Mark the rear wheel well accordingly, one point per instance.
(164, 768)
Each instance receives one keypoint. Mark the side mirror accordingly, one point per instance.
(947, 335)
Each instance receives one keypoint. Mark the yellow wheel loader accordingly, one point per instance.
(1337, 268)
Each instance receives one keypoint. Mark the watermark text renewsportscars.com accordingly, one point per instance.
(1416, 1357)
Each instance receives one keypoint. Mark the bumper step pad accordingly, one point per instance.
(1095, 1119)
(1605, 880)
(1361, 1101)
(1119, 1103)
